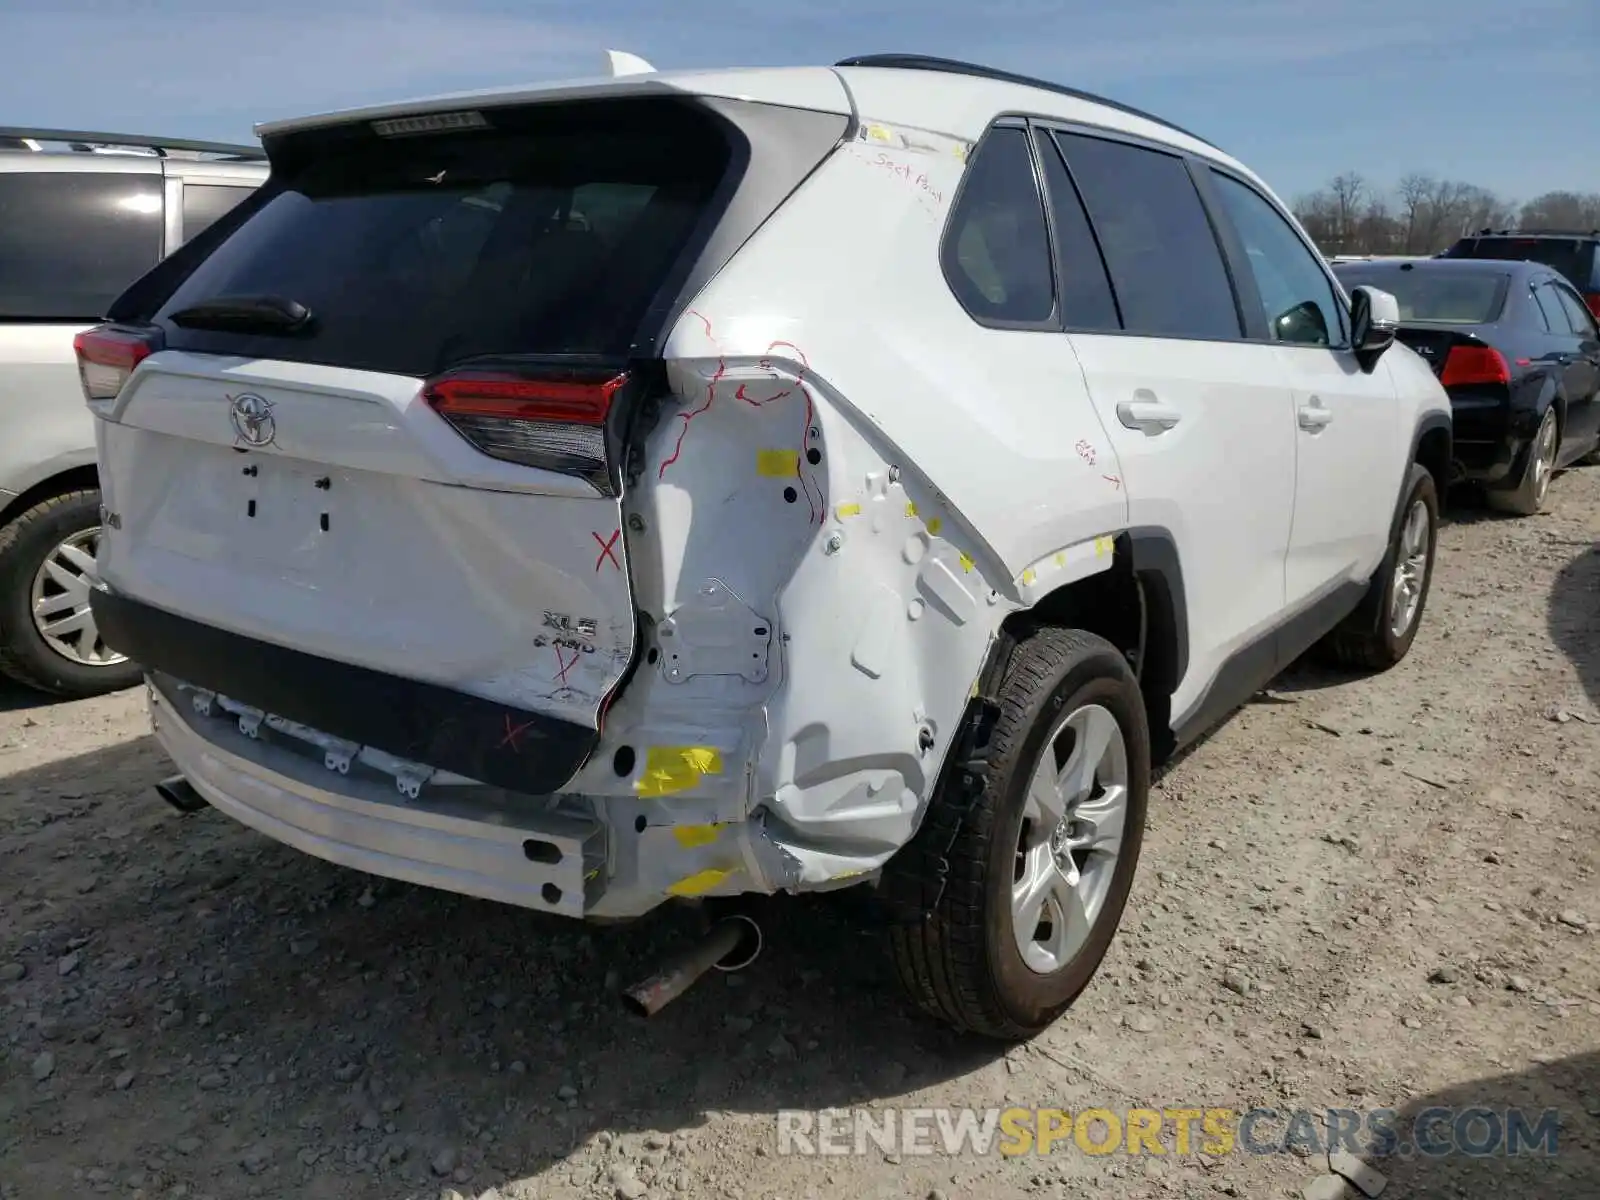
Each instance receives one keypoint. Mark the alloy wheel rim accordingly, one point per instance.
(1543, 455)
(1411, 569)
(59, 601)
(1074, 817)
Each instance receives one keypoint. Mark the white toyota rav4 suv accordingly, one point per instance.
(757, 481)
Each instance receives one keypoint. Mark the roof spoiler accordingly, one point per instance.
(622, 63)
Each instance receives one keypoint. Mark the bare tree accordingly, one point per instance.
(1562, 210)
(1347, 191)
(1425, 214)
(1413, 192)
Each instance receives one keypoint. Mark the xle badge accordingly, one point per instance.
(574, 633)
(253, 422)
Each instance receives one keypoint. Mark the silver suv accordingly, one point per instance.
(82, 215)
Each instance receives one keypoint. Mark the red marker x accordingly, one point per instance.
(605, 550)
(564, 664)
(513, 736)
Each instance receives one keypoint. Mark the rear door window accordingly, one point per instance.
(1550, 311)
(1165, 263)
(996, 251)
(203, 203)
(550, 233)
(1086, 300)
(1577, 315)
(71, 242)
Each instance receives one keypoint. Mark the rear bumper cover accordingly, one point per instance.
(468, 845)
(481, 739)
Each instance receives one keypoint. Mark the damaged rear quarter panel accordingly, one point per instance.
(878, 481)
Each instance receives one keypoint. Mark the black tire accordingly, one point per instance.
(960, 962)
(1528, 496)
(1366, 639)
(25, 656)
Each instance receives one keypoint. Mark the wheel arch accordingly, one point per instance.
(1432, 445)
(78, 477)
(1138, 605)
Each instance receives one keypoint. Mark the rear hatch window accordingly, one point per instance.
(553, 231)
(1571, 256)
(1470, 296)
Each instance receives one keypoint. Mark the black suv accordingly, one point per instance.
(1575, 255)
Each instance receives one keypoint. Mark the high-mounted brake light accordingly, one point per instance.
(1474, 365)
(108, 355)
(429, 123)
(553, 423)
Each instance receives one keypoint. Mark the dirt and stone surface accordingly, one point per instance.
(1366, 893)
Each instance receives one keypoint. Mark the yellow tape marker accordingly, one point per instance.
(934, 526)
(879, 134)
(966, 563)
(1104, 545)
(692, 836)
(1028, 575)
(699, 883)
(847, 510)
(669, 769)
(911, 509)
(1061, 560)
(778, 464)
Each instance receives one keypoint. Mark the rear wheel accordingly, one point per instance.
(48, 636)
(1528, 496)
(1022, 892)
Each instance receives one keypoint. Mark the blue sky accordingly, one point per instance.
(1498, 94)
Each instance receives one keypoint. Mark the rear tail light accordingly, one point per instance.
(1474, 364)
(1592, 299)
(556, 423)
(107, 355)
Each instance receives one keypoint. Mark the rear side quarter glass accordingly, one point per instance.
(70, 242)
(1085, 288)
(1166, 266)
(550, 233)
(204, 203)
(996, 249)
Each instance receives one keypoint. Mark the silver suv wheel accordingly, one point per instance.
(60, 602)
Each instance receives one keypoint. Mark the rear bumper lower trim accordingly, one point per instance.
(481, 739)
(365, 826)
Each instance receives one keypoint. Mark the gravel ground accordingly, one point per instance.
(1364, 893)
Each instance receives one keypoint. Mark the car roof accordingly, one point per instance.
(939, 95)
(1520, 235)
(1465, 266)
(55, 143)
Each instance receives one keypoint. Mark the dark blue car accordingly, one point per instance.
(1518, 351)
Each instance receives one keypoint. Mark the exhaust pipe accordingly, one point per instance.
(180, 793)
(732, 945)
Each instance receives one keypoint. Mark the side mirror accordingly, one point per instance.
(1303, 325)
(1374, 318)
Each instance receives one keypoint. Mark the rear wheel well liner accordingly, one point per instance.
(1138, 605)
